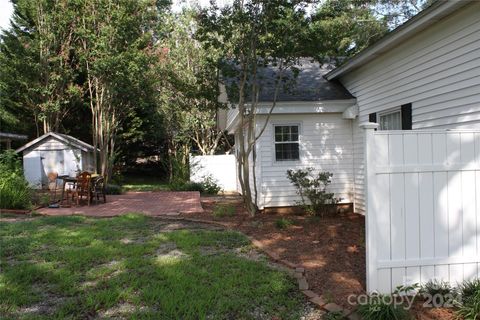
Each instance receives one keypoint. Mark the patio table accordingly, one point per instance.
(66, 179)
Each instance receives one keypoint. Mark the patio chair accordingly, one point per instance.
(98, 189)
(82, 187)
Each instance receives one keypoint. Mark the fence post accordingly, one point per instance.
(370, 218)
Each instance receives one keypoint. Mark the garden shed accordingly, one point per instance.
(55, 152)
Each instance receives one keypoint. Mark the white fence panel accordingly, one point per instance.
(423, 206)
(222, 168)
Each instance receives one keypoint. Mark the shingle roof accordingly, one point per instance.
(306, 85)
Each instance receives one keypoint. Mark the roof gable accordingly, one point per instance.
(61, 137)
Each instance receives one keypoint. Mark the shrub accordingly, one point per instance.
(206, 186)
(224, 210)
(283, 223)
(337, 315)
(381, 307)
(210, 186)
(470, 288)
(187, 186)
(113, 189)
(15, 192)
(312, 189)
(436, 287)
(469, 309)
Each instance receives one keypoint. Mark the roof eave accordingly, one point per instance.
(425, 18)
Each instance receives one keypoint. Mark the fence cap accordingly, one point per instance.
(369, 125)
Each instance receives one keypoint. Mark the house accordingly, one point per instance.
(402, 141)
(55, 152)
(423, 75)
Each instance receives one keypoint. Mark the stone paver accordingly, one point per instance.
(149, 203)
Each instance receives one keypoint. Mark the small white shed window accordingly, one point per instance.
(391, 120)
(286, 143)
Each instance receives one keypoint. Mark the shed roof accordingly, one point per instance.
(61, 137)
(12, 136)
(308, 84)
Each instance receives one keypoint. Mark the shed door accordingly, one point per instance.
(33, 170)
(52, 161)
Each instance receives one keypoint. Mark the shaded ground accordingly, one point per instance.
(149, 203)
(332, 250)
(135, 266)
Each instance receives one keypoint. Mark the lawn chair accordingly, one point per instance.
(82, 187)
(98, 189)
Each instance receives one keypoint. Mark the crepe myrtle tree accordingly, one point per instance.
(254, 34)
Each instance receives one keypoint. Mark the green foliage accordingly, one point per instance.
(437, 287)
(312, 189)
(210, 185)
(341, 28)
(224, 210)
(187, 186)
(14, 190)
(469, 309)
(337, 315)
(470, 288)
(381, 307)
(113, 189)
(96, 266)
(283, 223)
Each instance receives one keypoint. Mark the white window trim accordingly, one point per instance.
(386, 113)
(274, 155)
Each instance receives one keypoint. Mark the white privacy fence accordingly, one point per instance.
(221, 168)
(423, 206)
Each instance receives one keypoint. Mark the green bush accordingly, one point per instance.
(336, 315)
(283, 223)
(223, 210)
(113, 189)
(469, 306)
(210, 186)
(470, 288)
(207, 186)
(312, 190)
(436, 287)
(14, 190)
(381, 307)
(187, 186)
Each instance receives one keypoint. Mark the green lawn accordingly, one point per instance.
(135, 267)
(144, 183)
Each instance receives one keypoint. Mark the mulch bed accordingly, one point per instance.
(331, 249)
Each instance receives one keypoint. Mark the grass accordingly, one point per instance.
(224, 210)
(144, 183)
(76, 268)
(283, 223)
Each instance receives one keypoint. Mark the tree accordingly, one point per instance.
(341, 28)
(114, 50)
(188, 82)
(254, 34)
(37, 65)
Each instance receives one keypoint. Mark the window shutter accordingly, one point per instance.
(407, 116)
(372, 117)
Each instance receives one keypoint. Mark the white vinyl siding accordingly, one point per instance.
(325, 142)
(437, 70)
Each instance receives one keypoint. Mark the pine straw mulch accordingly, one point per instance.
(331, 249)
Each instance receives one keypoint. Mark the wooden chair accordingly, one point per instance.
(98, 189)
(82, 187)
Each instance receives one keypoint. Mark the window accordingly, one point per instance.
(391, 120)
(286, 143)
(394, 119)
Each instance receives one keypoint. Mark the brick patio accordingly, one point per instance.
(149, 203)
